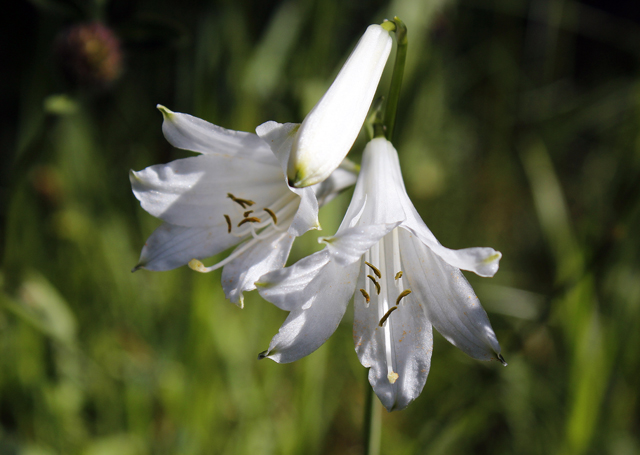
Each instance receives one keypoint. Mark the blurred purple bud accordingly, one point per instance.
(89, 54)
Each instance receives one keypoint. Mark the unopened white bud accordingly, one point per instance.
(332, 126)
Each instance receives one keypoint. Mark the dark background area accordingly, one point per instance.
(518, 128)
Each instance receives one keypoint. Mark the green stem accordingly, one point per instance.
(375, 123)
(372, 421)
(396, 78)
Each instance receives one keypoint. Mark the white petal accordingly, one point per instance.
(328, 132)
(287, 287)
(413, 345)
(186, 132)
(410, 337)
(263, 257)
(483, 261)
(279, 137)
(380, 184)
(171, 246)
(338, 181)
(381, 180)
(349, 245)
(448, 299)
(307, 215)
(317, 296)
(194, 191)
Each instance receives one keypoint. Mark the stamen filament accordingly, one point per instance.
(259, 236)
(283, 201)
(367, 283)
(198, 266)
(283, 213)
(396, 258)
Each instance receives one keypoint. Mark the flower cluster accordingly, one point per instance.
(260, 191)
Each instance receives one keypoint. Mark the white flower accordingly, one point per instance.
(332, 126)
(234, 192)
(404, 282)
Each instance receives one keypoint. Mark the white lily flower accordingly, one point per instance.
(405, 281)
(234, 192)
(332, 126)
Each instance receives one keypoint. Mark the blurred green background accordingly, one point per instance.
(518, 129)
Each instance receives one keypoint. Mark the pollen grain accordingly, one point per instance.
(253, 219)
(402, 295)
(374, 268)
(372, 278)
(272, 215)
(386, 315)
(243, 202)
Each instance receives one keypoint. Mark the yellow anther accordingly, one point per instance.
(386, 315)
(226, 217)
(399, 275)
(392, 377)
(247, 213)
(403, 294)
(374, 268)
(372, 278)
(253, 219)
(365, 294)
(243, 202)
(272, 215)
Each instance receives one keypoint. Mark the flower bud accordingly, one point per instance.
(89, 54)
(332, 126)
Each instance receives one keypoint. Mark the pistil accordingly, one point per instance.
(378, 252)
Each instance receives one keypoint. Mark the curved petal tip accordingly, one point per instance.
(166, 113)
(490, 264)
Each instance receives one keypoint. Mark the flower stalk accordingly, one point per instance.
(398, 73)
(372, 421)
